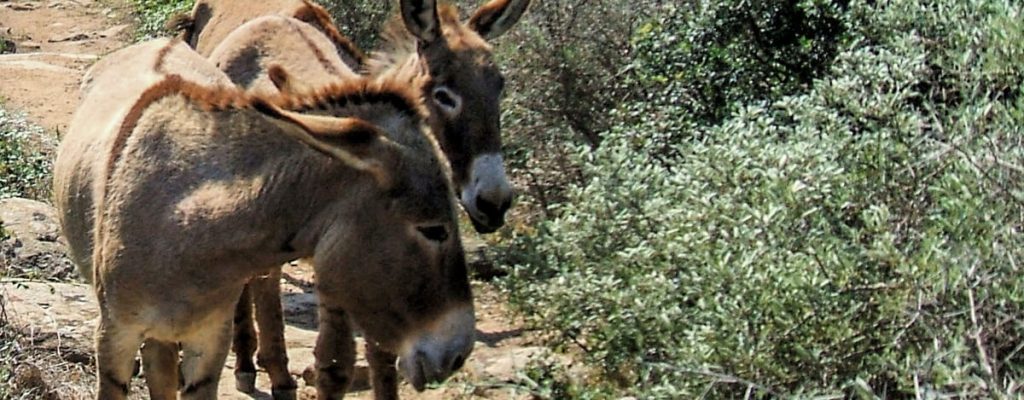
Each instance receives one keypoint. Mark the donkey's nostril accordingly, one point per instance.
(457, 363)
(490, 209)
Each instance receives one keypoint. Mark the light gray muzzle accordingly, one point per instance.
(487, 195)
(436, 352)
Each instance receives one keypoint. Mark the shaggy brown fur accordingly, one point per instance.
(461, 62)
(212, 20)
(182, 191)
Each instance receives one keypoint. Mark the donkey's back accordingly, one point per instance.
(109, 91)
(212, 21)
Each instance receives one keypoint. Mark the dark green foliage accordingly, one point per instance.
(24, 166)
(859, 239)
(707, 59)
(153, 14)
(360, 20)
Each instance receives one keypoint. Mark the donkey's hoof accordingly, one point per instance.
(245, 382)
(283, 394)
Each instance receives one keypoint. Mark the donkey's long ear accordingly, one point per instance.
(420, 17)
(497, 16)
(353, 141)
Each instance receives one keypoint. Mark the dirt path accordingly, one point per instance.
(56, 41)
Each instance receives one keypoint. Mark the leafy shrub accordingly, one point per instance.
(859, 239)
(24, 165)
(713, 57)
(578, 68)
(153, 14)
(360, 20)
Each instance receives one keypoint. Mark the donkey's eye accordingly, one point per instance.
(447, 100)
(437, 233)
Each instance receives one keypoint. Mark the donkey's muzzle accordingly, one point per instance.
(438, 352)
(492, 212)
(487, 195)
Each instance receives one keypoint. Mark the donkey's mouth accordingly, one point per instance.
(483, 227)
(417, 376)
(438, 351)
(420, 372)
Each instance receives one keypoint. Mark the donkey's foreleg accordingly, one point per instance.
(273, 352)
(335, 353)
(244, 343)
(160, 364)
(383, 375)
(116, 347)
(203, 356)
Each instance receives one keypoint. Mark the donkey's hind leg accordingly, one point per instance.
(244, 343)
(203, 356)
(160, 364)
(383, 375)
(273, 352)
(116, 347)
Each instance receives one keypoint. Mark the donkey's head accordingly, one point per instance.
(463, 94)
(389, 254)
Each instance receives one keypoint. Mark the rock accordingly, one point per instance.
(113, 31)
(31, 247)
(480, 264)
(65, 311)
(29, 45)
(71, 37)
(360, 379)
(504, 367)
(28, 378)
(23, 6)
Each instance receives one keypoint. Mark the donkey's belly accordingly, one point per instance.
(173, 312)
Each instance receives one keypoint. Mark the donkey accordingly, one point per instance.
(213, 20)
(234, 185)
(463, 91)
(458, 61)
(255, 56)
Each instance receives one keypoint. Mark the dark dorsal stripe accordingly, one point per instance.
(320, 56)
(317, 16)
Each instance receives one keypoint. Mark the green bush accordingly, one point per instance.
(861, 239)
(153, 14)
(360, 20)
(24, 164)
(707, 60)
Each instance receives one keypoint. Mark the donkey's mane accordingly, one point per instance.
(397, 93)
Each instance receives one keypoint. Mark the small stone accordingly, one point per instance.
(23, 6)
(28, 45)
(29, 379)
(113, 31)
(71, 37)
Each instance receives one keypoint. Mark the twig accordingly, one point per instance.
(982, 354)
(723, 378)
(917, 387)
